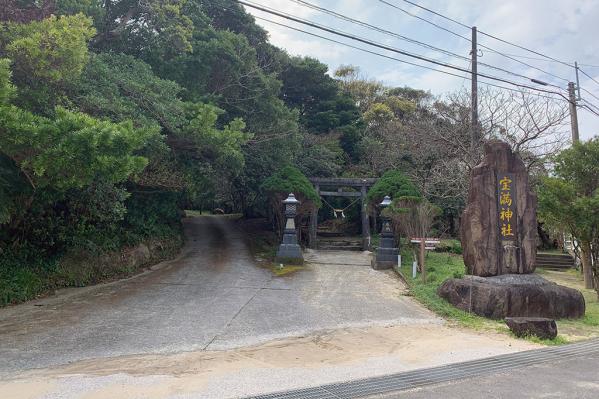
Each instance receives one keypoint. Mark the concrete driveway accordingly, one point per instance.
(212, 297)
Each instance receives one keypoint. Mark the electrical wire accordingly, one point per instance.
(401, 37)
(437, 14)
(488, 34)
(379, 45)
(589, 109)
(418, 65)
(425, 20)
(588, 76)
(470, 40)
(376, 28)
(589, 93)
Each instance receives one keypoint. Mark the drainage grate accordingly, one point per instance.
(419, 378)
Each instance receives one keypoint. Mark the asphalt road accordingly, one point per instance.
(212, 297)
(574, 378)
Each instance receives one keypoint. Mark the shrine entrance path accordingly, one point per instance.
(213, 297)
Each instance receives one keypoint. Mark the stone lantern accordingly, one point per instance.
(386, 254)
(289, 251)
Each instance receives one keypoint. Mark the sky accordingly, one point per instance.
(565, 30)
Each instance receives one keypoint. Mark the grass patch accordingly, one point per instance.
(587, 326)
(440, 267)
(192, 213)
(559, 340)
(285, 269)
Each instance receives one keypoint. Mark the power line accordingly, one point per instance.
(438, 14)
(466, 38)
(589, 93)
(376, 28)
(425, 20)
(379, 45)
(589, 109)
(393, 34)
(488, 34)
(590, 104)
(588, 76)
(527, 49)
(418, 65)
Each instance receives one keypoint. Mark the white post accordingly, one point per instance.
(399, 261)
(414, 267)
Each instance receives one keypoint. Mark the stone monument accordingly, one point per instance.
(386, 254)
(499, 237)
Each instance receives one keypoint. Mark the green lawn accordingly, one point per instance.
(588, 326)
(441, 266)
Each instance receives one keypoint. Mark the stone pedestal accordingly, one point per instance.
(386, 254)
(290, 252)
(513, 295)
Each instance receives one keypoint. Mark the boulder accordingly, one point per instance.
(486, 251)
(513, 295)
(538, 326)
(137, 256)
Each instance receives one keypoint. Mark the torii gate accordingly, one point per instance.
(363, 184)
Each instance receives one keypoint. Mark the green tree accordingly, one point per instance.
(321, 105)
(146, 29)
(570, 201)
(122, 87)
(45, 56)
(70, 151)
(277, 187)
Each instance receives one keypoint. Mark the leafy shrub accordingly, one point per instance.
(290, 180)
(394, 184)
(152, 214)
(23, 275)
(449, 246)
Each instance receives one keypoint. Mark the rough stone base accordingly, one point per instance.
(381, 265)
(290, 254)
(537, 326)
(384, 258)
(513, 295)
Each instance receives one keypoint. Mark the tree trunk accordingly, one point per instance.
(587, 267)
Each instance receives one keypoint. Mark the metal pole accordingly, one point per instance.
(474, 92)
(573, 112)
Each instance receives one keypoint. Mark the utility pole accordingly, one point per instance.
(573, 112)
(474, 93)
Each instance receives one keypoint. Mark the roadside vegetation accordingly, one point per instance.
(439, 267)
(443, 265)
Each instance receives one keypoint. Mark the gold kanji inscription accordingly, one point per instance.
(506, 214)
(505, 183)
(506, 230)
(505, 199)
